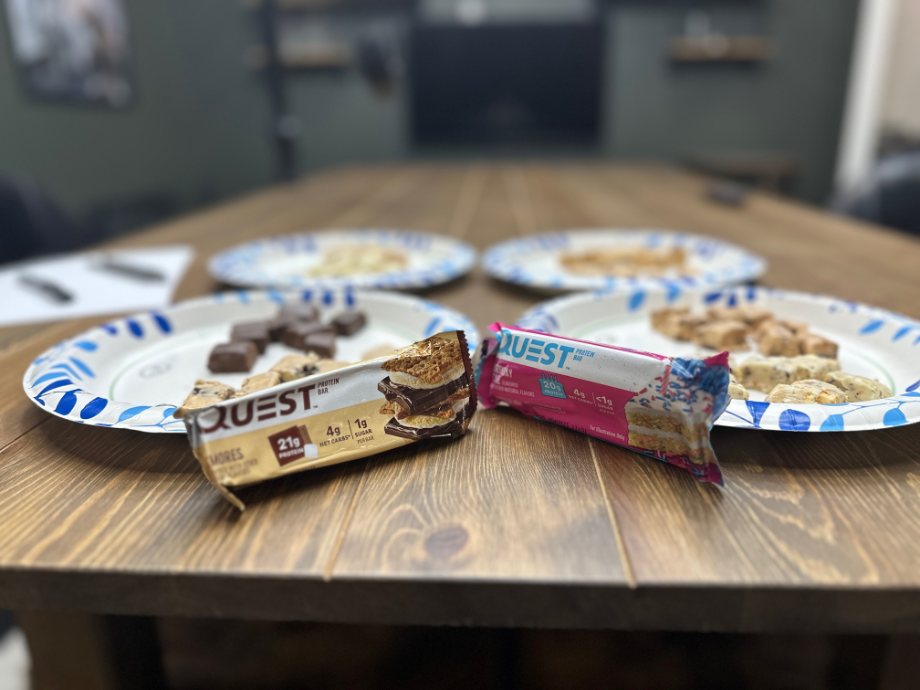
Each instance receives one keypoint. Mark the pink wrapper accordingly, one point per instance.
(659, 406)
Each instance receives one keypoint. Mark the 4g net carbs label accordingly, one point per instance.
(422, 391)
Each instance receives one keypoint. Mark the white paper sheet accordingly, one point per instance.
(94, 291)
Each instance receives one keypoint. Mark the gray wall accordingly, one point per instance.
(197, 128)
(790, 104)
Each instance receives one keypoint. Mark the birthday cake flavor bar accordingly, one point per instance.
(660, 406)
(423, 391)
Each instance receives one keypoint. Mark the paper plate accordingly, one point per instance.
(286, 261)
(534, 261)
(873, 342)
(132, 373)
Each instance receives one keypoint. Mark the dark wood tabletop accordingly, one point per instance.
(518, 522)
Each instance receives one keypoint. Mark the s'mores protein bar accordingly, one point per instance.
(660, 406)
(423, 391)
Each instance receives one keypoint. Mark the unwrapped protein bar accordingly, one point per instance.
(422, 391)
(657, 405)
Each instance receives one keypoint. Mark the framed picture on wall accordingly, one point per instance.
(75, 50)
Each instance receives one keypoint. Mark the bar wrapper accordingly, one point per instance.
(424, 391)
(659, 406)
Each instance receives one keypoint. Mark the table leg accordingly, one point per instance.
(76, 650)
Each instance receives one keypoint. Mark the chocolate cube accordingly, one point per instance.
(322, 343)
(276, 328)
(229, 358)
(256, 332)
(295, 333)
(349, 322)
(299, 311)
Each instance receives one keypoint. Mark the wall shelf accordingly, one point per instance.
(719, 49)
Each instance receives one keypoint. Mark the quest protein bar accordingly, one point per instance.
(660, 406)
(422, 391)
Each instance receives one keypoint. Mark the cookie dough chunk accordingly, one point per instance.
(857, 388)
(774, 339)
(204, 394)
(293, 367)
(813, 367)
(764, 373)
(229, 358)
(814, 344)
(807, 391)
(660, 318)
(735, 390)
(722, 335)
(259, 382)
(327, 365)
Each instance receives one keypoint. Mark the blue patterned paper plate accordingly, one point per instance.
(873, 342)
(287, 262)
(534, 261)
(131, 373)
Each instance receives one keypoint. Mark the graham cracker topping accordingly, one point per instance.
(427, 360)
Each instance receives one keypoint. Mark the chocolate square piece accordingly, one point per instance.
(296, 333)
(349, 322)
(256, 332)
(322, 343)
(299, 311)
(228, 358)
(277, 327)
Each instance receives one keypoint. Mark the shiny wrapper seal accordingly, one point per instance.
(423, 391)
(659, 406)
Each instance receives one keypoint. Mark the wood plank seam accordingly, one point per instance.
(614, 523)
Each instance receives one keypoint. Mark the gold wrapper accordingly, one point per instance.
(423, 391)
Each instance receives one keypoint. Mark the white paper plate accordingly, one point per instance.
(534, 261)
(285, 262)
(873, 343)
(131, 373)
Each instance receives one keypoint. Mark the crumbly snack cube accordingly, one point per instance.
(797, 327)
(752, 315)
(735, 390)
(259, 382)
(775, 340)
(722, 335)
(814, 344)
(807, 391)
(204, 394)
(292, 367)
(857, 388)
(683, 326)
(813, 367)
(764, 373)
(661, 318)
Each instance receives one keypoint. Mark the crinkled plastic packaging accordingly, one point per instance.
(423, 391)
(659, 406)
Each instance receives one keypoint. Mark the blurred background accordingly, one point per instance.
(121, 113)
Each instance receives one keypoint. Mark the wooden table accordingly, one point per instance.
(518, 523)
